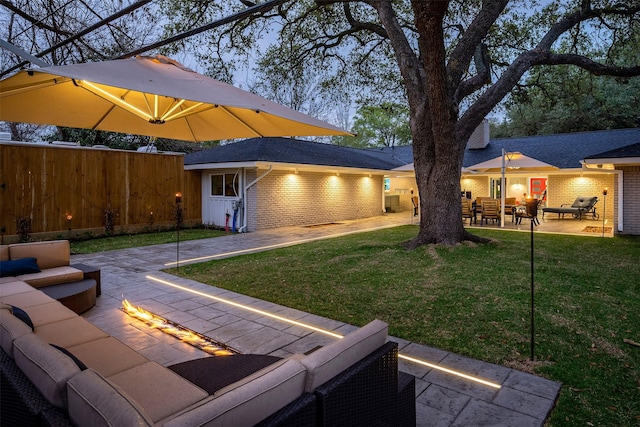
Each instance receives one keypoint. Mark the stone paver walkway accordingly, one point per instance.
(509, 398)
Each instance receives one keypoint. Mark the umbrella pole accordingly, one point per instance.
(503, 184)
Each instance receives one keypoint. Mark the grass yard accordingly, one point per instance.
(475, 301)
(136, 240)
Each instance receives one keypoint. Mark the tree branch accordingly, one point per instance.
(588, 64)
(38, 23)
(541, 55)
(461, 56)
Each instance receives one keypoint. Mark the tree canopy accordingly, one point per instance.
(451, 62)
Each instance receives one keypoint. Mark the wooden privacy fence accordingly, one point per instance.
(58, 188)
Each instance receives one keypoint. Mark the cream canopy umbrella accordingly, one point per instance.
(152, 96)
(513, 161)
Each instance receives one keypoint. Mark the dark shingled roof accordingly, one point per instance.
(564, 151)
(632, 150)
(294, 151)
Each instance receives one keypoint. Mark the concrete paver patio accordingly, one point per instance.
(506, 397)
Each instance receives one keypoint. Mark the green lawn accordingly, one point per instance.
(135, 240)
(475, 300)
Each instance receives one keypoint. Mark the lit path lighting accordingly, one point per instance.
(244, 307)
(320, 330)
(275, 246)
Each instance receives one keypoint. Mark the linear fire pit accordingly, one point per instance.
(183, 333)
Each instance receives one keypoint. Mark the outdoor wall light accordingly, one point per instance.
(605, 191)
(151, 217)
(69, 218)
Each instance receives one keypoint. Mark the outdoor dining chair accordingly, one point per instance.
(467, 210)
(490, 210)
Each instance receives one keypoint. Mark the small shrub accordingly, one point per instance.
(24, 228)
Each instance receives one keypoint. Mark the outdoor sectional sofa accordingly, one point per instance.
(46, 266)
(59, 369)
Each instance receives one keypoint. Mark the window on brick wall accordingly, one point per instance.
(224, 185)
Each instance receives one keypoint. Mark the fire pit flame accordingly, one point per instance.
(184, 334)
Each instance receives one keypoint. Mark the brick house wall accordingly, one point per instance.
(563, 189)
(478, 185)
(283, 198)
(631, 204)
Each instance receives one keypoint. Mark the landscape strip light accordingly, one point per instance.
(323, 331)
(245, 307)
(276, 245)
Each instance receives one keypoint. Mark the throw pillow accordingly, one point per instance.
(77, 361)
(22, 315)
(17, 267)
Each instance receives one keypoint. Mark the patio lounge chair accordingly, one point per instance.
(581, 206)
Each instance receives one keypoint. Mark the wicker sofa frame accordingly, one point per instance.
(370, 392)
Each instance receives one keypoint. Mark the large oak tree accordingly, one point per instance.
(453, 60)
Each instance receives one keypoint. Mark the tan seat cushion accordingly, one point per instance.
(47, 367)
(7, 279)
(14, 287)
(159, 391)
(52, 276)
(107, 356)
(11, 328)
(4, 253)
(27, 299)
(48, 313)
(329, 361)
(94, 401)
(249, 401)
(55, 253)
(70, 332)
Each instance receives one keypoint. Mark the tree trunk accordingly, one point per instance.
(437, 152)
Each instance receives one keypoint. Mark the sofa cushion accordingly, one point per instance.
(52, 276)
(11, 328)
(51, 254)
(329, 361)
(18, 267)
(27, 299)
(47, 368)
(159, 391)
(49, 313)
(4, 252)
(249, 401)
(94, 401)
(4, 280)
(108, 356)
(14, 287)
(70, 332)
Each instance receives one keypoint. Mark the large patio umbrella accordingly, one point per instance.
(152, 96)
(511, 161)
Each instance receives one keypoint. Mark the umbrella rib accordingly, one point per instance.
(226, 110)
(30, 87)
(115, 100)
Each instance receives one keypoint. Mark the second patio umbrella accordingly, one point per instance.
(152, 96)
